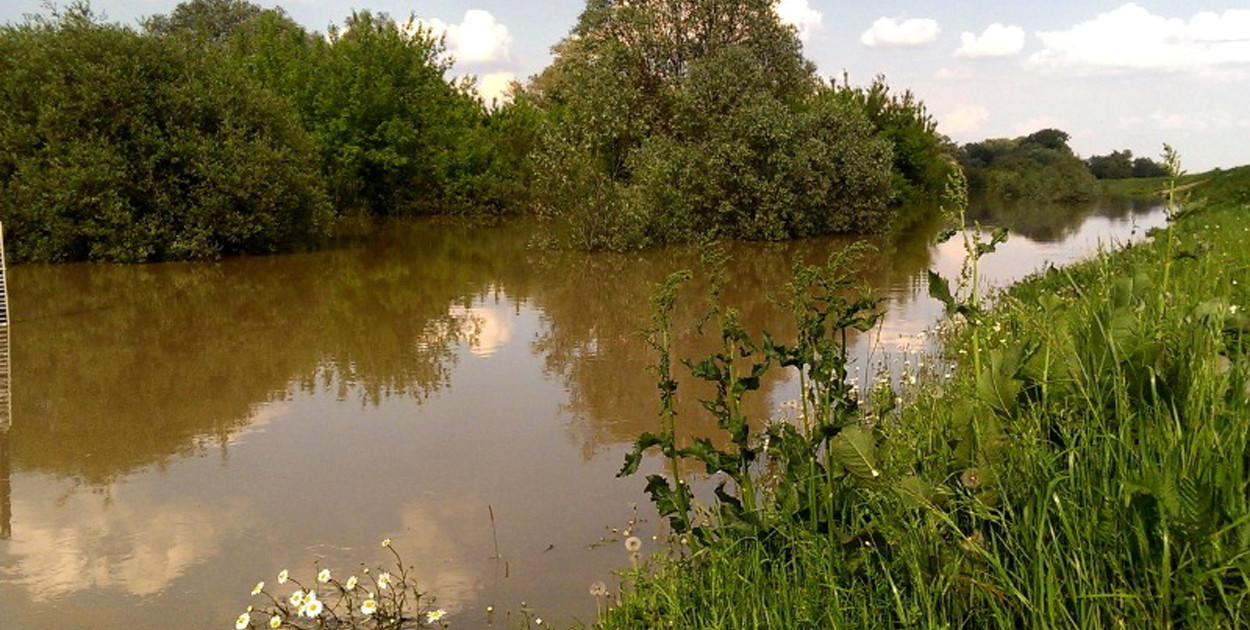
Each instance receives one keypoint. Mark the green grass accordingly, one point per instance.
(1092, 472)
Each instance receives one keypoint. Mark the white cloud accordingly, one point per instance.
(1132, 38)
(800, 15)
(997, 41)
(954, 73)
(494, 86)
(1162, 121)
(890, 32)
(478, 38)
(964, 119)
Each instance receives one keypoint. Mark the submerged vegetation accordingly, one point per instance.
(1084, 467)
(1039, 167)
(223, 128)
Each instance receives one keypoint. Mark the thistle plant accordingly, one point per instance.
(373, 600)
(829, 448)
(966, 299)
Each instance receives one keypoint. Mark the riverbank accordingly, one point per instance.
(1084, 465)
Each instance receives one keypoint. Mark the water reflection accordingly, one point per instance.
(183, 430)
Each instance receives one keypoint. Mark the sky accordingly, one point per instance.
(1115, 75)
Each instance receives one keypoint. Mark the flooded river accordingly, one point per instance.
(181, 431)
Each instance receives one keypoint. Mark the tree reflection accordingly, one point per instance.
(594, 307)
(126, 367)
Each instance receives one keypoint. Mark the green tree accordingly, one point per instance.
(1037, 167)
(125, 147)
(669, 118)
(394, 135)
(1115, 165)
(921, 154)
(212, 20)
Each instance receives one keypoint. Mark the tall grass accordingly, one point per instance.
(1088, 466)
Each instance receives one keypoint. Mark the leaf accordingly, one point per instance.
(855, 449)
(940, 290)
(634, 457)
(914, 492)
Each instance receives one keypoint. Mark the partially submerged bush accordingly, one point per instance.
(123, 147)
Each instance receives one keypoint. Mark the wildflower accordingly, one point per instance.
(538, 621)
(275, 621)
(312, 608)
(598, 589)
(386, 542)
(434, 616)
(297, 598)
(351, 583)
(323, 576)
(260, 586)
(368, 607)
(633, 543)
(384, 580)
(283, 575)
(243, 621)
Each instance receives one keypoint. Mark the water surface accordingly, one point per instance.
(182, 431)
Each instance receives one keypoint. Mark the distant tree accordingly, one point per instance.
(1052, 139)
(1146, 167)
(1037, 167)
(212, 20)
(1115, 165)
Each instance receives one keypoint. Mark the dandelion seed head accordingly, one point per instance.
(598, 589)
(633, 543)
(971, 478)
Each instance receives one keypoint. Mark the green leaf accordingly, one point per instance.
(634, 457)
(855, 448)
(940, 290)
(914, 492)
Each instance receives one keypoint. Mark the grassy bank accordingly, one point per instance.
(1087, 465)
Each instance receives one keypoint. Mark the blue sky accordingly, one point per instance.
(1114, 74)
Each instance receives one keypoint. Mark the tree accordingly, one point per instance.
(212, 20)
(124, 147)
(1037, 167)
(668, 118)
(921, 154)
(1115, 165)
(394, 136)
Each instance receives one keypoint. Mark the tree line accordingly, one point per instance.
(222, 128)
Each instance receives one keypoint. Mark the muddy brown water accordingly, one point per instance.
(182, 431)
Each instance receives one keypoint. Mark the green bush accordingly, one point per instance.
(720, 129)
(121, 147)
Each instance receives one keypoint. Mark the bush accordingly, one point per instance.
(120, 147)
(722, 130)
